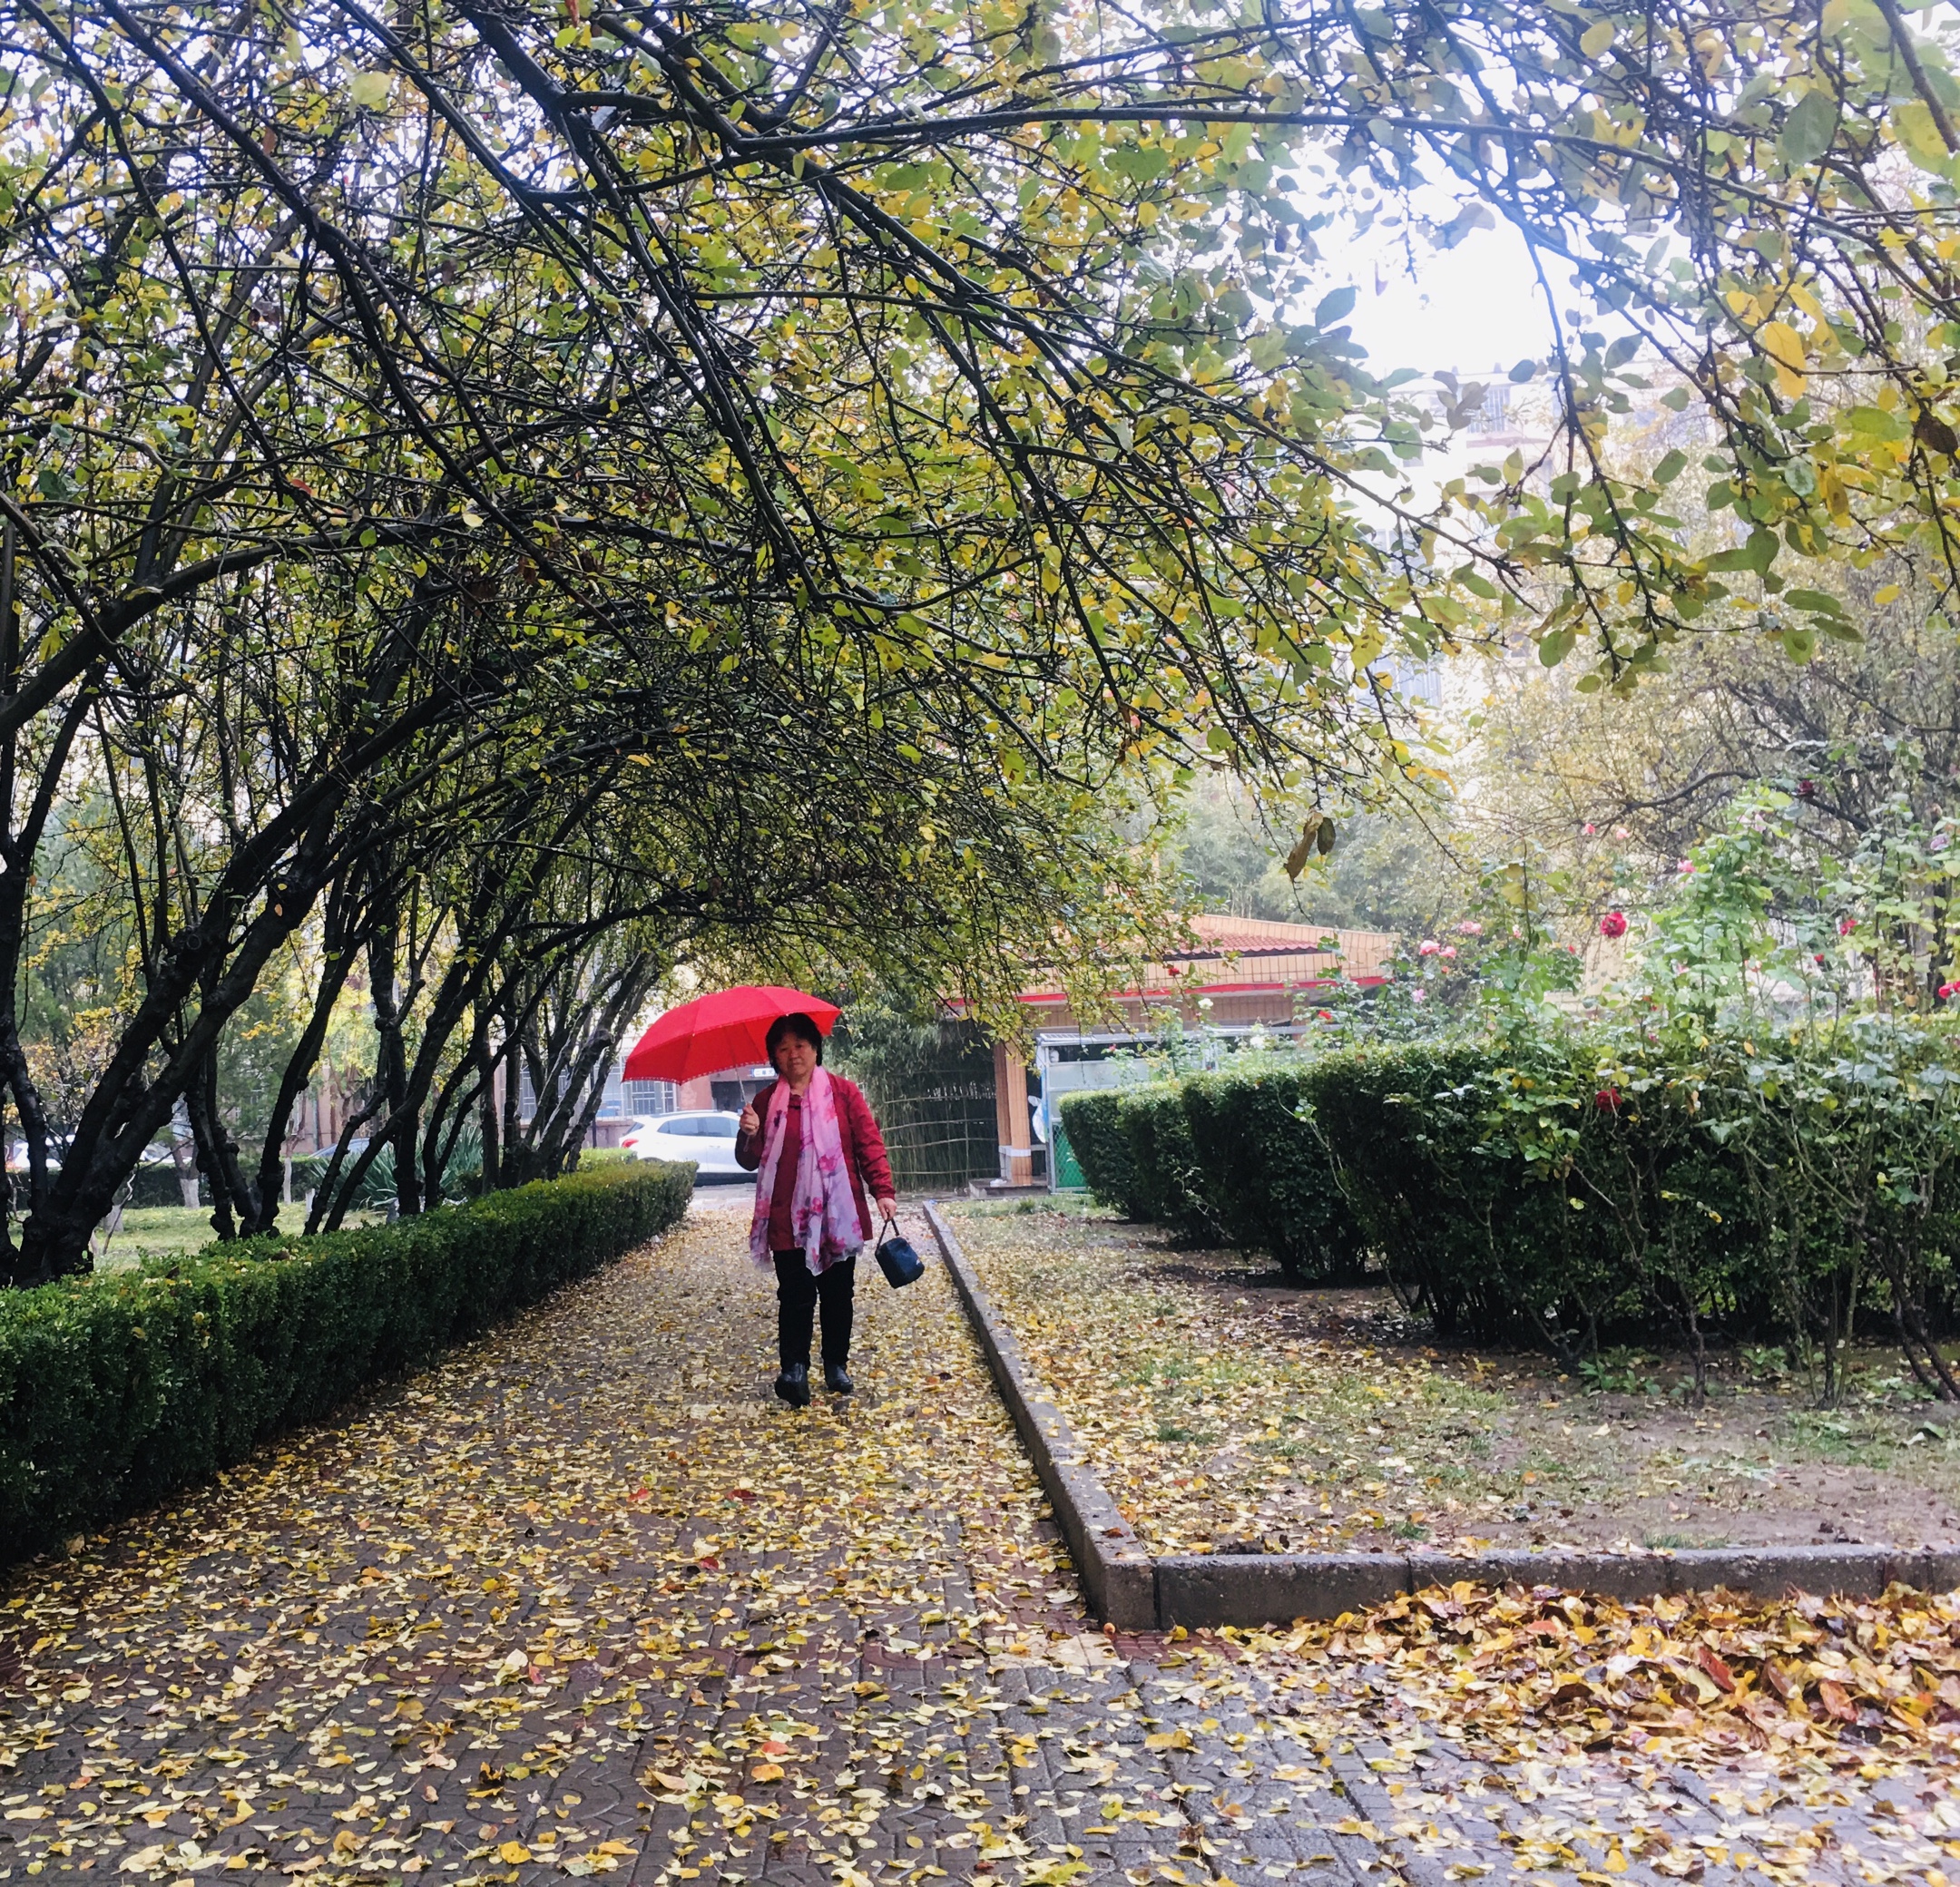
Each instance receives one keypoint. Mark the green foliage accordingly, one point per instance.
(1094, 1123)
(1168, 1184)
(1387, 870)
(1755, 1133)
(117, 1390)
(1471, 1218)
(1267, 1175)
(159, 1185)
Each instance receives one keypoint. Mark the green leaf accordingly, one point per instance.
(1758, 554)
(1670, 468)
(1876, 422)
(1524, 371)
(371, 90)
(1336, 306)
(1596, 38)
(1555, 648)
(1809, 129)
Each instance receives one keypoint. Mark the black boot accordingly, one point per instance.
(836, 1379)
(793, 1385)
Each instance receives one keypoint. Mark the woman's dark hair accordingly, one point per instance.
(785, 1026)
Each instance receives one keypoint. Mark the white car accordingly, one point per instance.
(706, 1139)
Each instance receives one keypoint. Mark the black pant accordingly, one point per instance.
(798, 1294)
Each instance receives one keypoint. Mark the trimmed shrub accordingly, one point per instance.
(1464, 1226)
(1168, 1184)
(1102, 1148)
(118, 1389)
(157, 1186)
(1268, 1181)
(1556, 1194)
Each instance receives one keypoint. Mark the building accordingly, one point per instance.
(1242, 976)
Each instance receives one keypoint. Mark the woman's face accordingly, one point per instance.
(795, 1060)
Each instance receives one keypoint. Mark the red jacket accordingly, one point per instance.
(857, 1130)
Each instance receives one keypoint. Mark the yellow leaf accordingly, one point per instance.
(511, 1851)
(1168, 1739)
(1784, 348)
(766, 1772)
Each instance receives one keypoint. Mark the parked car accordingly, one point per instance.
(706, 1139)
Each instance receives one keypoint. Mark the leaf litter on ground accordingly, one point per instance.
(584, 1599)
(1227, 1412)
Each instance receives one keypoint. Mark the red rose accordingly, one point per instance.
(1613, 925)
(1607, 1100)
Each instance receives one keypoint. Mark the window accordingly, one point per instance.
(649, 1098)
(717, 1127)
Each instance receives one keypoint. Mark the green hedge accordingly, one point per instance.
(1532, 1196)
(1463, 1227)
(1168, 1183)
(1569, 1191)
(1220, 1158)
(118, 1389)
(1268, 1181)
(1096, 1136)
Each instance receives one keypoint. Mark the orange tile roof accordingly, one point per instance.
(1249, 955)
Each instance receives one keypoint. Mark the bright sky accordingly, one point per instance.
(1470, 308)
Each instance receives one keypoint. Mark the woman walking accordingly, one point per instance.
(811, 1141)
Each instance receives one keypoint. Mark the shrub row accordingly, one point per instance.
(120, 1388)
(1220, 1158)
(1565, 1193)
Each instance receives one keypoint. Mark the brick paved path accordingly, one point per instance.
(585, 1600)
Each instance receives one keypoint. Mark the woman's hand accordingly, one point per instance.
(751, 1122)
(887, 1208)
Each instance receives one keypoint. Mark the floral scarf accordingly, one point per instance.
(823, 1209)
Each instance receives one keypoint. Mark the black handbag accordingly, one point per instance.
(897, 1260)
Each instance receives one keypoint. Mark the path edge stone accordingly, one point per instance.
(1136, 1592)
(1116, 1570)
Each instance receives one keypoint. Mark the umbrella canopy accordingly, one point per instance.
(718, 1031)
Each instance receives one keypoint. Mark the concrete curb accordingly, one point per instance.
(1116, 1571)
(1136, 1592)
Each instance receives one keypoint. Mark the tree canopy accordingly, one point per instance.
(479, 477)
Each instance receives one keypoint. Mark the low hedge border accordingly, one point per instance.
(1220, 1158)
(119, 1389)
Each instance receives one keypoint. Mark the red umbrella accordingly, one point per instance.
(721, 1030)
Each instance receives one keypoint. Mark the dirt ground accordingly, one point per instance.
(1230, 1411)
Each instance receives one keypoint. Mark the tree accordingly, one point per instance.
(410, 399)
